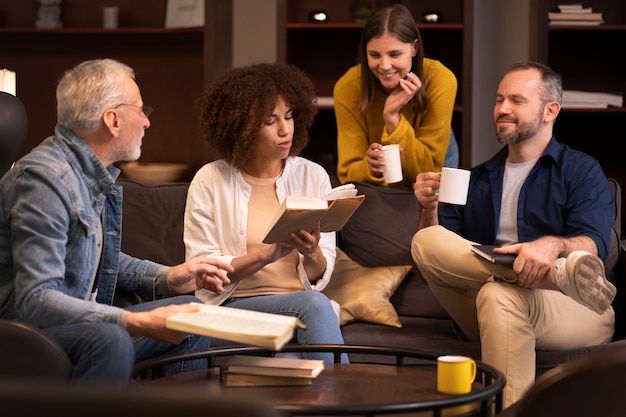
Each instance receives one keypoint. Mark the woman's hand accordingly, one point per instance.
(197, 273)
(374, 156)
(399, 98)
(308, 245)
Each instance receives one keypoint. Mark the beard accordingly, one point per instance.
(522, 132)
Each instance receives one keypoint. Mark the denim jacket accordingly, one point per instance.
(51, 202)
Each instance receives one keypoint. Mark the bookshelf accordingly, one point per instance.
(326, 50)
(172, 66)
(583, 57)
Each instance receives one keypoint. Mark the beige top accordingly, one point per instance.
(282, 275)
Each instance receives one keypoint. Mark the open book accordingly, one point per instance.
(275, 366)
(266, 330)
(486, 252)
(296, 213)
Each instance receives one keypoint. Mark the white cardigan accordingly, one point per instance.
(216, 215)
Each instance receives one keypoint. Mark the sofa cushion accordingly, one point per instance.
(152, 221)
(379, 233)
(363, 293)
(381, 230)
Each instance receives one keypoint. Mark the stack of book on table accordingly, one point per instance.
(245, 370)
(575, 15)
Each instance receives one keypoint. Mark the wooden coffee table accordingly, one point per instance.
(378, 380)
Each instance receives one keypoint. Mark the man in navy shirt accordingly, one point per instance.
(545, 203)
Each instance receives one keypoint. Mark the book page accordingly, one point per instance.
(340, 212)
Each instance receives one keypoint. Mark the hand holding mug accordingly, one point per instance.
(453, 186)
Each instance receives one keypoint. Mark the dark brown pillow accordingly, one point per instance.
(152, 221)
(379, 233)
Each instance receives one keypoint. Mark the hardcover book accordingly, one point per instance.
(297, 213)
(595, 16)
(274, 366)
(250, 380)
(486, 252)
(266, 330)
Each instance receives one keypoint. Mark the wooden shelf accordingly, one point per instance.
(587, 28)
(170, 66)
(578, 55)
(359, 26)
(100, 31)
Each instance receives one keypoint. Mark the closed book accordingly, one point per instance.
(573, 7)
(251, 380)
(580, 9)
(594, 99)
(595, 16)
(248, 327)
(486, 252)
(576, 22)
(296, 213)
(275, 366)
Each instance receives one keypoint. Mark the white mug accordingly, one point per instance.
(392, 171)
(453, 185)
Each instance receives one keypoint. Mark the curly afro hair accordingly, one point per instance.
(233, 109)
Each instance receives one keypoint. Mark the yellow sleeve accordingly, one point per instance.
(423, 137)
(353, 137)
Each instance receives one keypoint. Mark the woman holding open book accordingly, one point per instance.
(257, 119)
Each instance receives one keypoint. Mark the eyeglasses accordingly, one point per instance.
(145, 110)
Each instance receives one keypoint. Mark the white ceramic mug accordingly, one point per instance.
(392, 171)
(453, 185)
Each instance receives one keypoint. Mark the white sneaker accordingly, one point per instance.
(582, 277)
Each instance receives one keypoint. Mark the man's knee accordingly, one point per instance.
(423, 241)
(497, 298)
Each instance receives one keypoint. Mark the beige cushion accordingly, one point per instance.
(363, 293)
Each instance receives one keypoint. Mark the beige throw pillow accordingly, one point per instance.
(364, 293)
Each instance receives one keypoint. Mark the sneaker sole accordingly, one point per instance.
(591, 284)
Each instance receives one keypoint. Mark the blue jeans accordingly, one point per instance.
(311, 307)
(106, 352)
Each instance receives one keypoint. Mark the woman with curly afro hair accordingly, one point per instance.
(257, 118)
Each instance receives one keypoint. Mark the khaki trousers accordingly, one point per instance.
(511, 322)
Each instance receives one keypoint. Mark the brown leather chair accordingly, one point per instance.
(592, 386)
(13, 128)
(26, 351)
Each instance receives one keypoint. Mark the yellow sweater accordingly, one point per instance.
(424, 137)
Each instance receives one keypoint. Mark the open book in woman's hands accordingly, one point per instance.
(296, 213)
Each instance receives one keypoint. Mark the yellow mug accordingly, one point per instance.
(455, 374)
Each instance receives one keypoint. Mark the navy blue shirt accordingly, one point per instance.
(566, 194)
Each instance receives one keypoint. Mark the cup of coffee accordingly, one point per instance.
(455, 374)
(453, 185)
(392, 171)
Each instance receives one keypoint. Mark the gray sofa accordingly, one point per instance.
(379, 233)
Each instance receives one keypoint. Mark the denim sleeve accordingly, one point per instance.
(52, 239)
